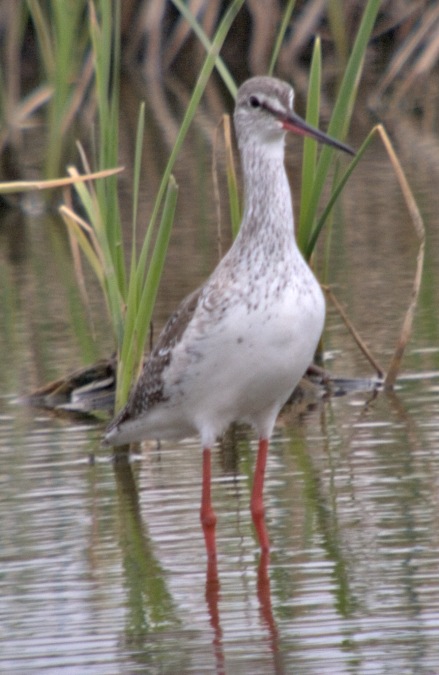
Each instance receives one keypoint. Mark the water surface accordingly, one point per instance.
(103, 567)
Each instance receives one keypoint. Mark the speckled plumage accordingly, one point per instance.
(236, 348)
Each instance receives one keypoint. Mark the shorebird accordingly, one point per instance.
(236, 347)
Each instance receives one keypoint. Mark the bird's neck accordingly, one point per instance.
(268, 211)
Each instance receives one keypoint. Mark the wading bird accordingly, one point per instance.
(236, 348)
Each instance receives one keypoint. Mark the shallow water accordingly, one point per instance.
(103, 567)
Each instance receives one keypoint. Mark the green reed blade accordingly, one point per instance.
(207, 44)
(309, 161)
(281, 34)
(139, 317)
(336, 193)
(138, 150)
(43, 33)
(105, 37)
(133, 299)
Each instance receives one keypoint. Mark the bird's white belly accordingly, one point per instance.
(249, 362)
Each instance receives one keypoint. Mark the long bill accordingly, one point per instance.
(297, 125)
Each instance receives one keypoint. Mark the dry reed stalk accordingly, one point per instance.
(353, 331)
(29, 185)
(418, 226)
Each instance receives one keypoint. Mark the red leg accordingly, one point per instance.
(257, 500)
(207, 514)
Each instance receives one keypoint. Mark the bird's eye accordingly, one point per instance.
(254, 102)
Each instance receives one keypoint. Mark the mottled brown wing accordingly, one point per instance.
(148, 391)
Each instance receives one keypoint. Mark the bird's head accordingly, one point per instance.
(264, 112)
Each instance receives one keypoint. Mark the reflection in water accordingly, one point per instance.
(212, 596)
(266, 610)
(325, 514)
(151, 611)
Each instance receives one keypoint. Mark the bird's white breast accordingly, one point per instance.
(241, 359)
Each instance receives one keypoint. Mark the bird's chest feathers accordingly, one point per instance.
(268, 324)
